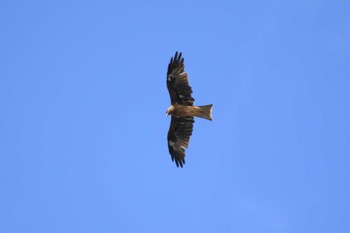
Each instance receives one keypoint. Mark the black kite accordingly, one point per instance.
(182, 110)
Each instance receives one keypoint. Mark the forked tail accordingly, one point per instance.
(205, 112)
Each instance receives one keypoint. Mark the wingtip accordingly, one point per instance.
(178, 56)
(178, 162)
(175, 57)
(181, 163)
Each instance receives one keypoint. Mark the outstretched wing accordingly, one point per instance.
(179, 135)
(177, 82)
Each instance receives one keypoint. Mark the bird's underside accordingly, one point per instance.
(178, 110)
(182, 110)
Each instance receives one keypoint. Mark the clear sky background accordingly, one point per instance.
(83, 129)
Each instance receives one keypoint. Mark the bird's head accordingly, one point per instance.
(170, 110)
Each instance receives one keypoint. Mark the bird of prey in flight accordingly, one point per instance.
(182, 110)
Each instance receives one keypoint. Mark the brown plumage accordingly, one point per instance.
(182, 110)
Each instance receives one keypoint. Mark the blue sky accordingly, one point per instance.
(83, 129)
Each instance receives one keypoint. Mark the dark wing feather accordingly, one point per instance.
(177, 82)
(179, 135)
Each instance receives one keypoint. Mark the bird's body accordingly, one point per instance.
(178, 110)
(182, 110)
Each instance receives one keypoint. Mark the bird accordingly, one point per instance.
(182, 109)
